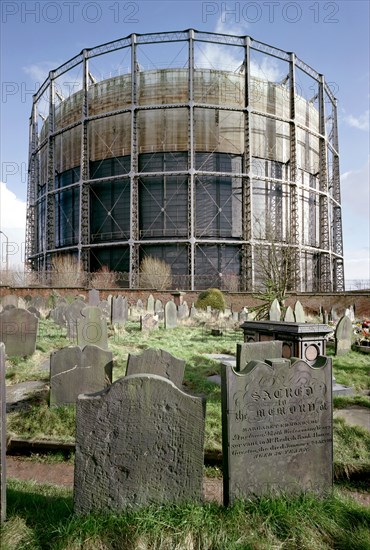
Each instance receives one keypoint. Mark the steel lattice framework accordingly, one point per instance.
(267, 157)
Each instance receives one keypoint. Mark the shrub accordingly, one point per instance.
(67, 271)
(155, 273)
(104, 278)
(211, 297)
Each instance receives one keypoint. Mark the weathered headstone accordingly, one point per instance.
(343, 336)
(92, 328)
(9, 300)
(235, 316)
(158, 306)
(159, 362)
(72, 314)
(18, 331)
(182, 311)
(149, 322)
(170, 315)
(257, 351)
(94, 297)
(275, 311)
(243, 317)
(58, 315)
(74, 370)
(2, 435)
(105, 308)
(289, 315)
(35, 311)
(299, 313)
(139, 442)
(350, 313)
(277, 429)
(119, 310)
(150, 304)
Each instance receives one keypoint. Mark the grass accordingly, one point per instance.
(352, 370)
(41, 517)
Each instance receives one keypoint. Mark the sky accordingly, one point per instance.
(331, 37)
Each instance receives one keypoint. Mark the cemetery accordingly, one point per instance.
(161, 425)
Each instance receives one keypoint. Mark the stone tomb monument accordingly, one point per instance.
(139, 442)
(2, 435)
(18, 331)
(159, 362)
(343, 336)
(170, 315)
(277, 429)
(74, 370)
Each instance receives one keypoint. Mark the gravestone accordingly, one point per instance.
(92, 328)
(9, 300)
(235, 316)
(139, 442)
(74, 370)
(277, 429)
(243, 317)
(289, 315)
(2, 435)
(9, 307)
(148, 322)
(350, 313)
(150, 304)
(257, 351)
(105, 308)
(182, 311)
(35, 311)
(170, 315)
(275, 311)
(58, 315)
(159, 362)
(18, 331)
(158, 306)
(299, 313)
(343, 336)
(72, 314)
(140, 305)
(119, 310)
(22, 303)
(94, 297)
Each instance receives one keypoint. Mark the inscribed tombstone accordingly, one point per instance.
(2, 435)
(139, 442)
(18, 331)
(92, 328)
(170, 315)
(149, 322)
(150, 304)
(277, 429)
(257, 351)
(94, 297)
(72, 314)
(159, 362)
(299, 313)
(343, 336)
(119, 310)
(275, 311)
(74, 370)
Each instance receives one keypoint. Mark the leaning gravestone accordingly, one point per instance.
(148, 322)
(343, 336)
(139, 442)
(18, 331)
(289, 315)
(170, 315)
(159, 362)
(299, 313)
(2, 435)
(257, 351)
(277, 429)
(275, 311)
(74, 370)
(92, 328)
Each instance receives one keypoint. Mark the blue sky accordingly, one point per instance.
(332, 37)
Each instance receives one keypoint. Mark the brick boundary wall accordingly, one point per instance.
(311, 302)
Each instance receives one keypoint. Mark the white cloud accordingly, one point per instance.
(38, 72)
(361, 122)
(12, 224)
(357, 265)
(356, 193)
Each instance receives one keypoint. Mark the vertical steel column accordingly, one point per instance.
(247, 259)
(338, 268)
(50, 199)
(84, 218)
(134, 193)
(295, 234)
(191, 164)
(325, 267)
(33, 175)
